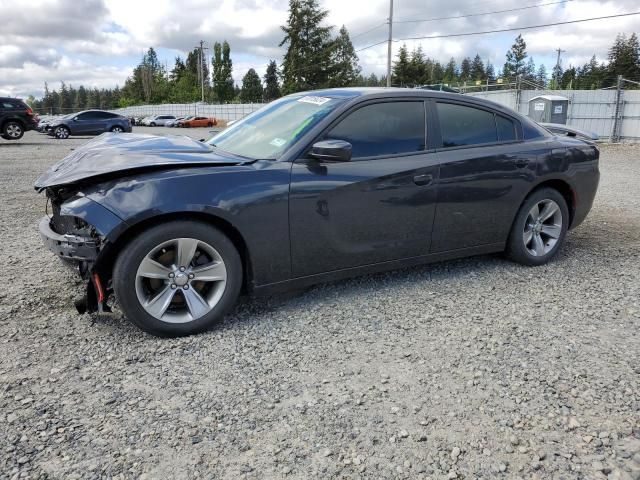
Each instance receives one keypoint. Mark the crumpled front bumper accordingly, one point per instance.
(71, 248)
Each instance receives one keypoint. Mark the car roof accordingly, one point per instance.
(395, 92)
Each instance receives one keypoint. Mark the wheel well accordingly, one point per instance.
(564, 189)
(11, 119)
(112, 251)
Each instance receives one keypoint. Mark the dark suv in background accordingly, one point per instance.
(89, 122)
(16, 117)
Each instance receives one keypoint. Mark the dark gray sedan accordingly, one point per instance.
(313, 187)
(89, 122)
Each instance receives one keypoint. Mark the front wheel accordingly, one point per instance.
(61, 132)
(178, 278)
(152, 124)
(539, 229)
(12, 130)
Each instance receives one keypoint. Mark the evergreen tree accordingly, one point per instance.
(93, 98)
(567, 82)
(477, 69)
(490, 73)
(344, 61)
(465, 69)
(541, 75)
(222, 69)
(624, 57)
(307, 60)
(401, 73)
(271, 84)
(417, 72)
(64, 99)
(251, 91)
(516, 56)
(81, 99)
(529, 74)
(451, 71)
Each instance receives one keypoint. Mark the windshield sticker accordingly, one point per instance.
(314, 100)
(277, 142)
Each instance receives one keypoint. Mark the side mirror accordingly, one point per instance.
(332, 150)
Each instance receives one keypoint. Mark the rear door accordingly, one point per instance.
(375, 208)
(486, 169)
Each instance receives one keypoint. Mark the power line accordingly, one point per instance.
(367, 31)
(484, 13)
(467, 34)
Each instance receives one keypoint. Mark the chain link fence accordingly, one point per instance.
(612, 114)
(229, 112)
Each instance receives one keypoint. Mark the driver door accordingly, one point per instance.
(377, 207)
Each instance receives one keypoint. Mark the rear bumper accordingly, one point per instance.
(70, 248)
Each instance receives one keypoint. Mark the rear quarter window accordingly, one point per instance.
(462, 125)
(506, 129)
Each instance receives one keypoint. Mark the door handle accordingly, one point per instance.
(522, 162)
(422, 180)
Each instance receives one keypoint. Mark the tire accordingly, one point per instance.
(539, 229)
(12, 130)
(152, 124)
(209, 124)
(62, 132)
(195, 305)
(117, 129)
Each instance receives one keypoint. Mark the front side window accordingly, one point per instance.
(461, 125)
(267, 133)
(389, 128)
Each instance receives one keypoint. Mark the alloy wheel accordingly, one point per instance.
(13, 130)
(181, 280)
(542, 228)
(117, 130)
(62, 132)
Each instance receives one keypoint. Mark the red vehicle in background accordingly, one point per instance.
(198, 122)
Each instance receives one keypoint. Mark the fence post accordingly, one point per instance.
(615, 133)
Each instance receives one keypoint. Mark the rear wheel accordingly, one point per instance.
(12, 130)
(178, 278)
(152, 124)
(61, 132)
(540, 228)
(209, 124)
(117, 129)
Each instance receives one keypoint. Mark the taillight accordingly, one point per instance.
(29, 111)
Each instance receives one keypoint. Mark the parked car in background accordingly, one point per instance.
(89, 122)
(197, 122)
(174, 123)
(314, 187)
(157, 120)
(16, 117)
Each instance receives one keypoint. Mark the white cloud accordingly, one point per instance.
(97, 42)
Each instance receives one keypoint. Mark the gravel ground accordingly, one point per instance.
(477, 368)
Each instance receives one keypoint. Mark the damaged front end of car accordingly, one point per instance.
(76, 232)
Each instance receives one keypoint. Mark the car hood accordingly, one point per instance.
(121, 153)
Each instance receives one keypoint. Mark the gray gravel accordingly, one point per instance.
(477, 368)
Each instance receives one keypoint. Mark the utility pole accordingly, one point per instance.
(200, 69)
(615, 133)
(389, 43)
(557, 69)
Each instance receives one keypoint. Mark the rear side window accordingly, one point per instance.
(506, 129)
(461, 125)
(383, 129)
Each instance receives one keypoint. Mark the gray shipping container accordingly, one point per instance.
(549, 109)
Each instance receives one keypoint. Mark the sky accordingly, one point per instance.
(97, 43)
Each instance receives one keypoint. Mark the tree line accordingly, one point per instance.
(316, 58)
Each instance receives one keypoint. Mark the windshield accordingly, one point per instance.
(267, 133)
